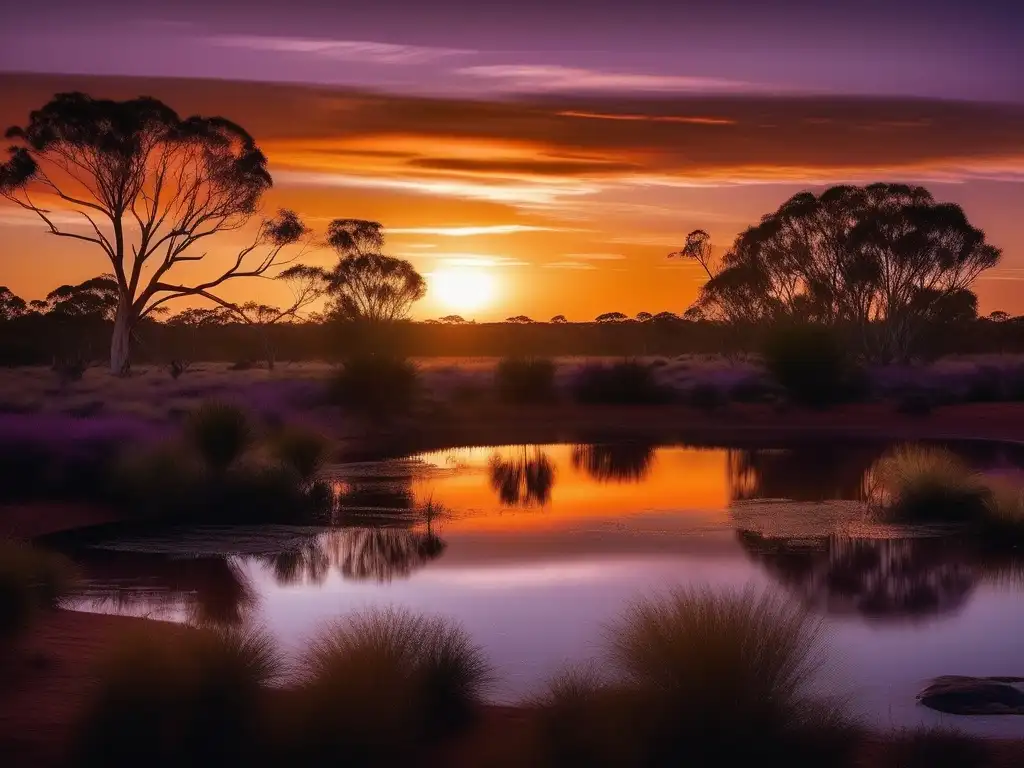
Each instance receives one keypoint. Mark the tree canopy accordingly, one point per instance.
(885, 259)
(11, 305)
(149, 186)
(611, 317)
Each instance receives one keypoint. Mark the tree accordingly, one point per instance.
(884, 260)
(558, 320)
(643, 317)
(95, 298)
(367, 285)
(518, 319)
(611, 317)
(149, 185)
(697, 249)
(999, 316)
(11, 306)
(452, 320)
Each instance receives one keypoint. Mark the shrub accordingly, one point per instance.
(177, 367)
(170, 697)
(935, 748)
(625, 383)
(30, 580)
(377, 385)
(809, 362)
(301, 450)
(379, 683)
(526, 380)
(220, 432)
(159, 482)
(1004, 511)
(925, 484)
(697, 678)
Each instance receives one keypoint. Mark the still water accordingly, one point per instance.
(539, 547)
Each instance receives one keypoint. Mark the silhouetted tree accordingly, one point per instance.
(97, 297)
(998, 316)
(366, 285)
(666, 317)
(611, 317)
(11, 306)
(148, 185)
(518, 319)
(698, 249)
(885, 259)
(643, 317)
(452, 320)
(558, 319)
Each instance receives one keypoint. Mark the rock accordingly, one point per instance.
(958, 695)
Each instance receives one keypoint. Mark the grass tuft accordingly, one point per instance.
(377, 684)
(30, 580)
(935, 748)
(377, 385)
(220, 433)
(301, 450)
(626, 383)
(526, 380)
(916, 484)
(172, 697)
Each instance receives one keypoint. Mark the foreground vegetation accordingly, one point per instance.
(922, 484)
(30, 580)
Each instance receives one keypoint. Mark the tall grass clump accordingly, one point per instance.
(625, 383)
(1004, 512)
(526, 380)
(915, 484)
(300, 450)
(810, 362)
(378, 684)
(179, 696)
(30, 580)
(703, 678)
(220, 433)
(377, 385)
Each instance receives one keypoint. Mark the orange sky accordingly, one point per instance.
(569, 204)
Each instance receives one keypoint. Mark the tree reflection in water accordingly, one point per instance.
(812, 472)
(622, 462)
(523, 479)
(882, 579)
(377, 553)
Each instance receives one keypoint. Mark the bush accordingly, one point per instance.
(377, 385)
(221, 433)
(935, 748)
(809, 362)
(625, 383)
(526, 380)
(301, 450)
(923, 484)
(697, 678)
(30, 580)
(168, 697)
(1004, 512)
(157, 483)
(377, 684)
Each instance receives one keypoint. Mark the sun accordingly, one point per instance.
(463, 289)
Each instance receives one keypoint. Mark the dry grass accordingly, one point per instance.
(915, 484)
(31, 579)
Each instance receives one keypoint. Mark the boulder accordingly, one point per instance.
(958, 695)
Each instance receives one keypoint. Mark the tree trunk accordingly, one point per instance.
(120, 342)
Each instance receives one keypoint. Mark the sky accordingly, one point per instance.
(542, 158)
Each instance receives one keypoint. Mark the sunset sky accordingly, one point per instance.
(543, 157)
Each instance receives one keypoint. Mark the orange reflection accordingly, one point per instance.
(584, 485)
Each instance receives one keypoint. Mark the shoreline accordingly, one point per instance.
(46, 678)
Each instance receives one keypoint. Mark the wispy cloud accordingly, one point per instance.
(595, 256)
(632, 117)
(538, 78)
(491, 229)
(484, 261)
(568, 265)
(340, 50)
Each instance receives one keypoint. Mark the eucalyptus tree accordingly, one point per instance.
(148, 189)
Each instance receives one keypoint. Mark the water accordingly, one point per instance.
(543, 545)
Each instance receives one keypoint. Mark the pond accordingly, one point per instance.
(539, 547)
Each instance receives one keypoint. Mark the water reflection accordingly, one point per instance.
(623, 462)
(815, 472)
(523, 479)
(374, 553)
(877, 578)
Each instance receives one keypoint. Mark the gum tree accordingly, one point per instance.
(151, 188)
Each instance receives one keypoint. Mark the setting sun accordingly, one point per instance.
(463, 289)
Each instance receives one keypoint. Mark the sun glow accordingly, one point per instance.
(463, 289)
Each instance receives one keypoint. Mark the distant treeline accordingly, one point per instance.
(43, 339)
